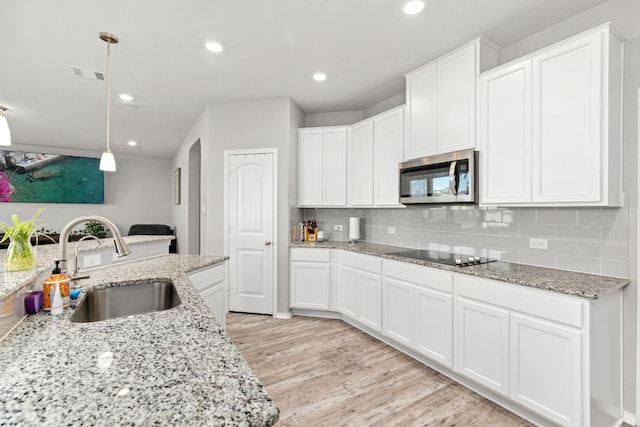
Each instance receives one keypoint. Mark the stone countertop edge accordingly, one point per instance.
(176, 366)
(573, 283)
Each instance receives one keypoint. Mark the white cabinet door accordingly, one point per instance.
(310, 284)
(505, 135)
(567, 118)
(322, 166)
(482, 344)
(360, 167)
(433, 323)
(348, 288)
(397, 311)
(546, 369)
(370, 295)
(215, 299)
(456, 90)
(310, 165)
(211, 284)
(389, 150)
(334, 167)
(422, 113)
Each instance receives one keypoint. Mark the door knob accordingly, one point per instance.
(267, 242)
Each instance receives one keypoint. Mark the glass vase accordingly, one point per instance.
(20, 255)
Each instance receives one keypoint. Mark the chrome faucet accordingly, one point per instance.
(121, 247)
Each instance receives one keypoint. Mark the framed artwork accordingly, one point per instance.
(176, 186)
(50, 178)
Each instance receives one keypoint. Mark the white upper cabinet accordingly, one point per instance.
(505, 114)
(441, 101)
(421, 135)
(360, 166)
(388, 143)
(322, 166)
(334, 167)
(551, 125)
(457, 75)
(376, 146)
(310, 167)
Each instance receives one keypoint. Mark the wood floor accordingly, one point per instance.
(323, 372)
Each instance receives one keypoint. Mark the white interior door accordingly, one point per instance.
(250, 213)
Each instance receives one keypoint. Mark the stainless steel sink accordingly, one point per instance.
(122, 301)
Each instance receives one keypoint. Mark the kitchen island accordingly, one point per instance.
(172, 367)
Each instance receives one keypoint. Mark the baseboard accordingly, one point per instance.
(629, 418)
(314, 313)
(283, 316)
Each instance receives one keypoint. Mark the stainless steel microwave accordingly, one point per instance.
(444, 178)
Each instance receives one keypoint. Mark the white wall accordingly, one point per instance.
(384, 105)
(296, 120)
(337, 118)
(241, 125)
(623, 14)
(128, 199)
(179, 213)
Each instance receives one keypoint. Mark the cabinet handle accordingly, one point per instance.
(267, 242)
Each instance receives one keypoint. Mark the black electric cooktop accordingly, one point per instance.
(442, 257)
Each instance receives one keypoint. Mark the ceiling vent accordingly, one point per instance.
(87, 73)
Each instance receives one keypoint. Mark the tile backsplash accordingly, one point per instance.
(590, 240)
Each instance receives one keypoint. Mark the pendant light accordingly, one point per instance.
(5, 134)
(107, 161)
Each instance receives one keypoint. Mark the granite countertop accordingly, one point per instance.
(176, 366)
(10, 281)
(562, 281)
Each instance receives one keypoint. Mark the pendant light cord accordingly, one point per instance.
(108, 90)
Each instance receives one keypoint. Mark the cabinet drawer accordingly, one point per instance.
(419, 275)
(369, 263)
(538, 303)
(203, 279)
(312, 255)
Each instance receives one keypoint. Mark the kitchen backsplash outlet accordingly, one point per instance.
(590, 240)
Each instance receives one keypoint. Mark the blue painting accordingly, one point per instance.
(50, 178)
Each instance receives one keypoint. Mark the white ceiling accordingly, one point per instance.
(272, 48)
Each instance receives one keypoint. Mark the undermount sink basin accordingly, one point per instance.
(122, 301)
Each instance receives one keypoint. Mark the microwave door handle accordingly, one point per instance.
(453, 184)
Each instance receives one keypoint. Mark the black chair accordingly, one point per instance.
(154, 230)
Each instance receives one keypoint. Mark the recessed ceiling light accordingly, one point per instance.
(413, 7)
(132, 144)
(214, 46)
(125, 97)
(319, 77)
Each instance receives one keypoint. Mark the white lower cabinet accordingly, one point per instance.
(310, 278)
(348, 285)
(433, 320)
(552, 357)
(211, 284)
(482, 337)
(417, 309)
(360, 285)
(397, 310)
(543, 353)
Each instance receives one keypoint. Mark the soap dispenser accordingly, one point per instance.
(49, 286)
